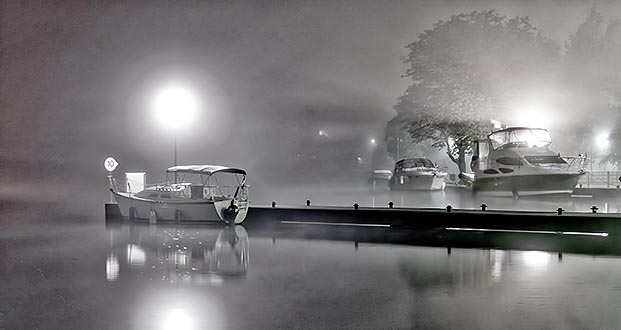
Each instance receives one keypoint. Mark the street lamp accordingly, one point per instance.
(175, 107)
(602, 140)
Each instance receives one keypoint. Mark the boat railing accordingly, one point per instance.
(209, 191)
(126, 185)
(575, 162)
(600, 179)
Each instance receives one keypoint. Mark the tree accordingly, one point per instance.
(592, 71)
(463, 73)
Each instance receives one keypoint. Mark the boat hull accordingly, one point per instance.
(424, 181)
(188, 212)
(526, 185)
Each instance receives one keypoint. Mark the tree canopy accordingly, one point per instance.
(463, 73)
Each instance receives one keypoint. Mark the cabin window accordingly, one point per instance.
(509, 161)
(490, 171)
(505, 170)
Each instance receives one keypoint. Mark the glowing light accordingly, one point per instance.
(175, 107)
(497, 259)
(602, 141)
(112, 268)
(373, 142)
(177, 319)
(532, 117)
(323, 133)
(136, 255)
(536, 259)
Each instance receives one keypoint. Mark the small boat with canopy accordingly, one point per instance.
(191, 194)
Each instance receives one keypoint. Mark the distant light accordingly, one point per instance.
(533, 117)
(323, 133)
(373, 142)
(496, 123)
(175, 107)
(602, 140)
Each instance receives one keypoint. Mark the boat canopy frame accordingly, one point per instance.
(206, 172)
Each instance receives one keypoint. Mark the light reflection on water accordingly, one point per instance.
(79, 275)
(366, 286)
(172, 254)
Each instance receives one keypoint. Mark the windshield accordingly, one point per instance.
(523, 137)
(415, 162)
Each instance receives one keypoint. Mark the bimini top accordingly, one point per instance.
(520, 137)
(414, 162)
(204, 169)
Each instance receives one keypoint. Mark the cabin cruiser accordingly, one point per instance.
(380, 178)
(197, 194)
(517, 161)
(417, 174)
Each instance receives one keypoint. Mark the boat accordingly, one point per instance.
(380, 178)
(417, 174)
(518, 161)
(197, 194)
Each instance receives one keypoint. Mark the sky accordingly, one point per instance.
(77, 77)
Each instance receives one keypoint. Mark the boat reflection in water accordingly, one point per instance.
(202, 255)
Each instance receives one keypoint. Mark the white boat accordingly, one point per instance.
(517, 161)
(417, 174)
(197, 194)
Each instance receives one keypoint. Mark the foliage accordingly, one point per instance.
(593, 73)
(463, 71)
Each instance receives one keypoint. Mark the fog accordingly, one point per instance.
(77, 79)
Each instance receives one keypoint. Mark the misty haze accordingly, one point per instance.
(310, 165)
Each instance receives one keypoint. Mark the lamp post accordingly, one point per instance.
(175, 107)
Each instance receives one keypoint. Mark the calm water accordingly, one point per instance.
(61, 268)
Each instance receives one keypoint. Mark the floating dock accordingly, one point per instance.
(427, 218)
(433, 218)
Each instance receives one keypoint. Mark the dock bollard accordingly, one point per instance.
(594, 208)
(449, 208)
(273, 204)
(483, 207)
(559, 211)
(356, 206)
(391, 205)
(308, 202)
